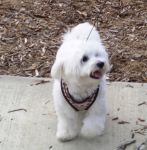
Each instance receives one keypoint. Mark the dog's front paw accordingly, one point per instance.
(65, 135)
(92, 131)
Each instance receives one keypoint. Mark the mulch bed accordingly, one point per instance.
(30, 34)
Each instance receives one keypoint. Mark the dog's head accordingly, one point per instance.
(81, 59)
(87, 60)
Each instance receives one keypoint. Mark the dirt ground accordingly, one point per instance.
(30, 34)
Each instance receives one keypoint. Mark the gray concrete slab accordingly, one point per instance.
(34, 127)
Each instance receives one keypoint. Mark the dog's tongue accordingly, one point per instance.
(97, 74)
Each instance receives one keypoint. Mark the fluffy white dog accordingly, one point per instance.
(79, 87)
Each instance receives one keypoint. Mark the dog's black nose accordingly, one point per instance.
(100, 64)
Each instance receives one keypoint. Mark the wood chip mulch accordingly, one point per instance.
(30, 34)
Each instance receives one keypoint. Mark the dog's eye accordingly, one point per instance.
(85, 58)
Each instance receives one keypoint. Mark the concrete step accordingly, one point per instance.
(33, 127)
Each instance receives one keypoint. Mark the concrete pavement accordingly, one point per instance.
(28, 120)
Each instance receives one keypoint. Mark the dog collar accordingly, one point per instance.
(78, 105)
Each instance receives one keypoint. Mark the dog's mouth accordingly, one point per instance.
(96, 74)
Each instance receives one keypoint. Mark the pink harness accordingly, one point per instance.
(78, 105)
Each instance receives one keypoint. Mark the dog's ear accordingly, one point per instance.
(57, 69)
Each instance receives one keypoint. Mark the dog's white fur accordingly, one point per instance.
(69, 66)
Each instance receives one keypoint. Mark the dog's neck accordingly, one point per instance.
(80, 90)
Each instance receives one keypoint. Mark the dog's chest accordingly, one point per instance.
(79, 103)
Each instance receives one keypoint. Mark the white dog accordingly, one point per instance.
(79, 86)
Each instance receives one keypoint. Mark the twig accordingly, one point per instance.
(116, 118)
(123, 122)
(124, 146)
(139, 132)
(118, 109)
(46, 102)
(50, 147)
(40, 82)
(128, 85)
(143, 103)
(133, 135)
(40, 16)
(144, 126)
(142, 120)
(17, 110)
